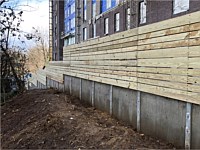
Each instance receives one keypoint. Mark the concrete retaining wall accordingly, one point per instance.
(163, 118)
(40, 85)
(195, 139)
(124, 105)
(159, 117)
(102, 96)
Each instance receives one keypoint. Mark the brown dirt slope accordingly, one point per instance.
(47, 119)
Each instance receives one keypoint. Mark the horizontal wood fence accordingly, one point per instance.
(162, 58)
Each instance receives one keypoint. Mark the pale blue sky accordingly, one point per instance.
(38, 16)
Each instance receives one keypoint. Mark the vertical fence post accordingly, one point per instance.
(188, 126)
(138, 110)
(93, 93)
(80, 94)
(111, 98)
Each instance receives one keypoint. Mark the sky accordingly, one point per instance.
(36, 16)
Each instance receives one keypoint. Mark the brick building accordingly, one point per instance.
(55, 28)
(75, 21)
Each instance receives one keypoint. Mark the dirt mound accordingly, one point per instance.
(47, 119)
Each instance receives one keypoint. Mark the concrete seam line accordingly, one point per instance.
(188, 126)
(111, 98)
(80, 96)
(138, 110)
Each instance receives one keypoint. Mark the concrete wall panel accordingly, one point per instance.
(75, 86)
(195, 144)
(67, 84)
(163, 118)
(124, 105)
(61, 87)
(102, 97)
(86, 91)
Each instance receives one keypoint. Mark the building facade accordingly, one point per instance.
(69, 31)
(81, 20)
(56, 28)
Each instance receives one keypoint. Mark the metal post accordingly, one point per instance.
(188, 126)
(111, 98)
(93, 93)
(80, 94)
(70, 86)
(138, 110)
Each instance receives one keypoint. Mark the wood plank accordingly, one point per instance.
(175, 37)
(194, 34)
(166, 32)
(174, 94)
(112, 72)
(109, 47)
(194, 42)
(171, 44)
(164, 53)
(193, 98)
(125, 84)
(110, 76)
(194, 62)
(194, 72)
(194, 88)
(194, 80)
(163, 77)
(179, 62)
(122, 68)
(195, 26)
(106, 62)
(166, 24)
(116, 56)
(119, 50)
(194, 17)
(168, 84)
(169, 71)
(194, 51)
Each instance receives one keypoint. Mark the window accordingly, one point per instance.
(106, 26)
(117, 22)
(117, 2)
(84, 34)
(66, 13)
(128, 18)
(85, 3)
(56, 19)
(84, 10)
(180, 6)
(93, 9)
(67, 25)
(56, 43)
(94, 30)
(143, 12)
(73, 8)
(55, 31)
(85, 14)
(108, 3)
(72, 23)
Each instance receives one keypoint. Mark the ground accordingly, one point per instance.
(48, 119)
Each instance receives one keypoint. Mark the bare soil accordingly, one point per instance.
(48, 119)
